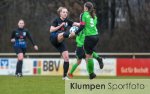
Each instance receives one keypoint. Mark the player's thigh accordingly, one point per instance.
(80, 54)
(20, 52)
(60, 37)
(90, 43)
(61, 47)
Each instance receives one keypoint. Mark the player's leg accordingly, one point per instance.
(20, 56)
(99, 59)
(20, 63)
(62, 36)
(89, 45)
(65, 56)
(74, 67)
(90, 66)
(89, 59)
(80, 54)
(57, 41)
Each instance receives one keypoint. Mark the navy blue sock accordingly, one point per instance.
(66, 67)
(20, 66)
(17, 68)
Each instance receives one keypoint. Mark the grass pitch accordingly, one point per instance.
(40, 84)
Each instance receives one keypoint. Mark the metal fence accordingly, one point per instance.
(108, 55)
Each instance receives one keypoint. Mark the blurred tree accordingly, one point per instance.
(130, 19)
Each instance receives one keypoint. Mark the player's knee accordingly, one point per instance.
(88, 56)
(20, 57)
(79, 61)
(60, 37)
(66, 58)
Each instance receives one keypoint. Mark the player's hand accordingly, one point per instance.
(76, 24)
(72, 34)
(13, 40)
(36, 47)
(62, 24)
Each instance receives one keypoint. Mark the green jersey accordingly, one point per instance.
(90, 24)
(80, 39)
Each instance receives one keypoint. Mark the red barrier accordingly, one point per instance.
(133, 67)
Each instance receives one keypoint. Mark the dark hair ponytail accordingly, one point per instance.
(90, 7)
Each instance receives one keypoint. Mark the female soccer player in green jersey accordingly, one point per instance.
(88, 26)
(80, 54)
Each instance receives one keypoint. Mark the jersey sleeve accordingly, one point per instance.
(82, 24)
(13, 34)
(95, 20)
(30, 37)
(83, 18)
(54, 23)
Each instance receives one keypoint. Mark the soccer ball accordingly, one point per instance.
(73, 29)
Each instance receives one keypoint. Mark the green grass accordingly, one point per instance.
(31, 85)
(40, 84)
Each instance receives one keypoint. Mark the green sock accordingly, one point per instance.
(90, 66)
(95, 55)
(73, 68)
